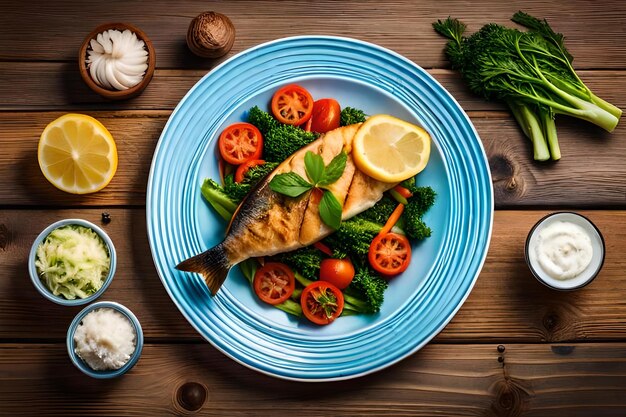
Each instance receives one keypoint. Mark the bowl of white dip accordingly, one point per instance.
(565, 251)
(105, 340)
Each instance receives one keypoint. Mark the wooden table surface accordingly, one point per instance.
(514, 348)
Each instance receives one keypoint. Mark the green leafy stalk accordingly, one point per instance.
(291, 307)
(531, 71)
(531, 126)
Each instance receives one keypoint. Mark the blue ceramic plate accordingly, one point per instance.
(418, 304)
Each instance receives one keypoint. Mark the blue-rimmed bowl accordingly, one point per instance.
(82, 365)
(44, 290)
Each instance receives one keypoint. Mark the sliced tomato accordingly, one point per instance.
(390, 254)
(292, 105)
(274, 282)
(321, 302)
(326, 115)
(240, 142)
(338, 272)
(243, 168)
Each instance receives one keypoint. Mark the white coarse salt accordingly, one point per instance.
(105, 339)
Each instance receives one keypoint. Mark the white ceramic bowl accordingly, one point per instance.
(82, 365)
(588, 274)
(59, 299)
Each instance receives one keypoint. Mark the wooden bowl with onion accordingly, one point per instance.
(115, 94)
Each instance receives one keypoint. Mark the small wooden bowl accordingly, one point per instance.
(116, 94)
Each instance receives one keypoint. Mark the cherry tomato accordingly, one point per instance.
(274, 282)
(390, 254)
(240, 142)
(292, 105)
(321, 302)
(326, 115)
(243, 168)
(338, 272)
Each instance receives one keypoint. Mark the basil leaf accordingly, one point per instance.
(330, 210)
(314, 166)
(335, 169)
(290, 184)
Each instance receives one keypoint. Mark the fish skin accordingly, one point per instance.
(267, 223)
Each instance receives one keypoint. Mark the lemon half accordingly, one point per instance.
(389, 149)
(77, 154)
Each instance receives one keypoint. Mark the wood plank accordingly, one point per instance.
(591, 28)
(47, 86)
(518, 180)
(506, 305)
(460, 380)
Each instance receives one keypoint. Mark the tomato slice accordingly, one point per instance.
(243, 168)
(240, 142)
(321, 302)
(274, 282)
(326, 115)
(292, 105)
(338, 272)
(390, 254)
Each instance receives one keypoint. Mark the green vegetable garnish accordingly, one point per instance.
(531, 72)
(350, 116)
(320, 176)
(72, 261)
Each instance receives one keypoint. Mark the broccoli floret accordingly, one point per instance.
(284, 140)
(353, 237)
(412, 224)
(237, 191)
(381, 211)
(423, 198)
(262, 120)
(221, 202)
(350, 116)
(411, 221)
(258, 172)
(370, 287)
(306, 261)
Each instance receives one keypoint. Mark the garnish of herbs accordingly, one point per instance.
(320, 176)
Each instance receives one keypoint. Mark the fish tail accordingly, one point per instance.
(212, 264)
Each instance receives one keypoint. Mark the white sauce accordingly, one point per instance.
(105, 339)
(563, 250)
(117, 60)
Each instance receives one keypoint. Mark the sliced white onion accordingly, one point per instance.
(117, 60)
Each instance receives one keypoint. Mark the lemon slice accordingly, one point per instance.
(389, 149)
(77, 154)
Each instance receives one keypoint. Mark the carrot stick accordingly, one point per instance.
(403, 191)
(393, 219)
(323, 248)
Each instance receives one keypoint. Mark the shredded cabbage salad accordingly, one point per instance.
(72, 261)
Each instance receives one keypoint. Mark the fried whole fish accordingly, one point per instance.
(267, 223)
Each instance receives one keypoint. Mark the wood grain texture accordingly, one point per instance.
(591, 28)
(506, 305)
(518, 180)
(46, 86)
(515, 348)
(445, 380)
